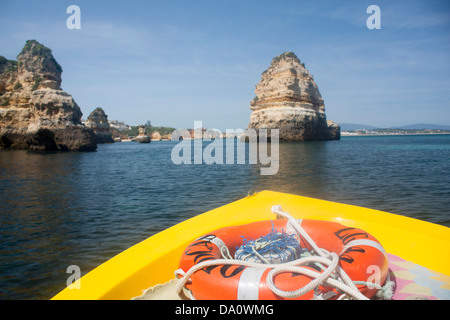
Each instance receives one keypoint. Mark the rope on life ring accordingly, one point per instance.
(333, 275)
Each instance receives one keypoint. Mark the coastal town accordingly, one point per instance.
(392, 131)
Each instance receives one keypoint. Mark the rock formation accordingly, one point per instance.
(156, 136)
(167, 136)
(98, 121)
(35, 113)
(287, 98)
(142, 136)
(117, 135)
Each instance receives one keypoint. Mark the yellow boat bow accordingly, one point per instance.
(154, 260)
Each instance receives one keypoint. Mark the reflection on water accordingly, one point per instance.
(35, 217)
(302, 169)
(399, 174)
(59, 209)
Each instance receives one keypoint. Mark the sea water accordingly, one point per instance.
(63, 209)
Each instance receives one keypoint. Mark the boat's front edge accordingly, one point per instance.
(154, 260)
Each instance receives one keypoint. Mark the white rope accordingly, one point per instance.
(322, 252)
(342, 282)
(226, 253)
(300, 230)
(292, 266)
(384, 292)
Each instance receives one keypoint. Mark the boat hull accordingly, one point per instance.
(154, 260)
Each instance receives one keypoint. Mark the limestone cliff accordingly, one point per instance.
(98, 121)
(35, 113)
(288, 99)
(156, 136)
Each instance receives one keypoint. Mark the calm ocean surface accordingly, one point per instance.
(60, 209)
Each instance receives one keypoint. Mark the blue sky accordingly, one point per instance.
(173, 62)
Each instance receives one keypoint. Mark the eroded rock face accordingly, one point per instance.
(142, 137)
(35, 113)
(287, 98)
(98, 121)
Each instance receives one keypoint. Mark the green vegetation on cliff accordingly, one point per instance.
(134, 130)
(39, 50)
(7, 65)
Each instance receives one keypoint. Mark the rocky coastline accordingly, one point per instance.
(35, 113)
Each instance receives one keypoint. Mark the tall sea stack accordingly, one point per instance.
(287, 98)
(35, 113)
(98, 121)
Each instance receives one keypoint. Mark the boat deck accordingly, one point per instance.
(412, 282)
(422, 246)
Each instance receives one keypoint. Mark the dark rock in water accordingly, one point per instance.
(98, 121)
(142, 137)
(334, 130)
(35, 113)
(77, 138)
(288, 99)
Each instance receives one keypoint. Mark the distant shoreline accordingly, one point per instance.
(344, 134)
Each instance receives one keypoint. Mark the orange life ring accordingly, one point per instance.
(358, 252)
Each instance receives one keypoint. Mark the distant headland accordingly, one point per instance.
(350, 129)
